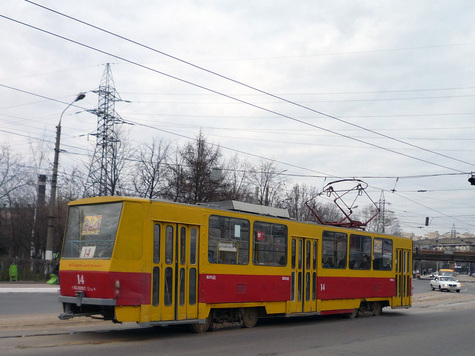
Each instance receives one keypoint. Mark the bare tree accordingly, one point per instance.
(72, 184)
(297, 198)
(235, 183)
(13, 174)
(267, 180)
(294, 202)
(17, 204)
(386, 222)
(176, 179)
(152, 170)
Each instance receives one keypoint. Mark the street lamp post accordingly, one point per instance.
(54, 179)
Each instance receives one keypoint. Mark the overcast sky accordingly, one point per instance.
(382, 91)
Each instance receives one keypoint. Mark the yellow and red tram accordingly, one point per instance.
(158, 263)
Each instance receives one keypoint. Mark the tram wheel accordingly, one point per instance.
(377, 309)
(250, 317)
(201, 327)
(353, 314)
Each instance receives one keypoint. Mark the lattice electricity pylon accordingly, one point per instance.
(380, 219)
(346, 207)
(102, 178)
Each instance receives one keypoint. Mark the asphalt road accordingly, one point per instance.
(12, 303)
(438, 323)
(29, 303)
(423, 285)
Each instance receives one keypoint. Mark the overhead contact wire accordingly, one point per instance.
(251, 87)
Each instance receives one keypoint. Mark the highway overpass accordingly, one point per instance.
(443, 255)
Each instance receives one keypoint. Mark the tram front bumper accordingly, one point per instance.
(72, 305)
(80, 299)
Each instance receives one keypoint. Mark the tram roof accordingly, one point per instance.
(250, 208)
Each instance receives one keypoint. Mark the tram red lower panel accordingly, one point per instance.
(355, 287)
(134, 288)
(228, 288)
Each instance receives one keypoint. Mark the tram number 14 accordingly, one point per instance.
(80, 278)
(322, 286)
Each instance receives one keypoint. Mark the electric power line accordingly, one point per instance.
(246, 102)
(260, 91)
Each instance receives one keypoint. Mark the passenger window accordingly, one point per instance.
(228, 240)
(182, 286)
(270, 244)
(168, 286)
(169, 245)
(308, 254)
(314, 289)
(334, 249)
(294, 248)
(193, 241)
(382, 254)
(156, 243)
(192, 292)
(182, 245)
(360, 252)
(156, 286)
(314, 254)
(300, 254)
(307, 286)
(292, 289)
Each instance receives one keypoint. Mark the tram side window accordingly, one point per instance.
(228, 240)
(383, 254)
(334, 249)
(360, 252)
(270, 244)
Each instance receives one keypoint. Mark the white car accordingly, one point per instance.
(445, 283)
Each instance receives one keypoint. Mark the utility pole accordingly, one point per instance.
(101, 177)
(52, 216)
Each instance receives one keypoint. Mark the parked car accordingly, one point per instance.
(445, 283)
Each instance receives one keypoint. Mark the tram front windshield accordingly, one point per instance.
(91, 231)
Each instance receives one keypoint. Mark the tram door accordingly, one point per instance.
(175, 272)
(304, 275)
(403, 277)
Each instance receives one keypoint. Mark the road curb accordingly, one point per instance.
(28, 287)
